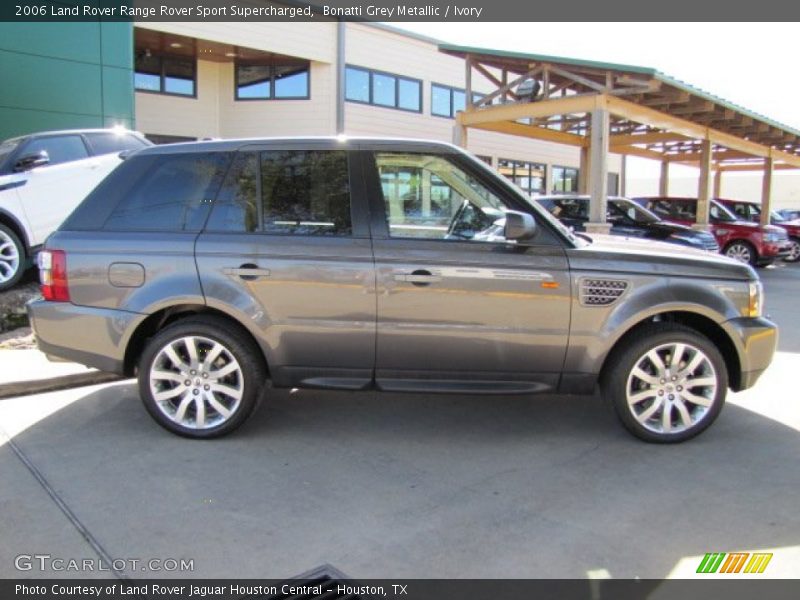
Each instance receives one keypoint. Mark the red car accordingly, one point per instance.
(743, 240)
(751, 211)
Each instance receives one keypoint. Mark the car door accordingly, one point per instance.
(287, 250)
(457, 304)
(51, 192)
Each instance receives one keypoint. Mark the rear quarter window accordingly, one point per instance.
(109, 142)
(154, 192)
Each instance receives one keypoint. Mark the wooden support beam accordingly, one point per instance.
(598, 176)
(663, 180)
(579, 103)
(660, 120)
(652, 137)
(505, 90)
(584, 170)
(584, 81)
(532, 131)
(717, 182)
(705, 106)
(704, 190)
(669, 98)
(766, 191)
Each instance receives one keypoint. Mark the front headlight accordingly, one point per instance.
(691, 240)
(756, 302)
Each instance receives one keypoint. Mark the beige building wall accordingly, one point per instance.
(215, 112)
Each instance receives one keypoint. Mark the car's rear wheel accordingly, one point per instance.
(794, 251)
(12, 258)
(667, 383)
(742, 251)
(200, 377)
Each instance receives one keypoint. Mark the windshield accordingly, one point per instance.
(6, 148)
(720, 213)
(776, 216)
(632, 211)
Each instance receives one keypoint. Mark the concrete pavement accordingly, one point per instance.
(411, 485)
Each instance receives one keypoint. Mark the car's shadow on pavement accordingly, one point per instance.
(419, 486)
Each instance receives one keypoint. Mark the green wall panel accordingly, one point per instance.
(65, 75)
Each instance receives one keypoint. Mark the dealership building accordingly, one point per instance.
(193, 80)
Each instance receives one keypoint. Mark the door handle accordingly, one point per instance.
(420, 277)
(247, 271)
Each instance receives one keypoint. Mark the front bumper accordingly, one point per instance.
(96, 337)
(756, 340)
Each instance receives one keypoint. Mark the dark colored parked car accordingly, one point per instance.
(211, 269)
(751, 211)
(627, 219)
(741, 240)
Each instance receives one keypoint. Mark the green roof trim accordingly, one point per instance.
(593, 64)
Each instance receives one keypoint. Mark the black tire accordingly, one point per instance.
(794, 253)
(620, 379)
(247, 378)
(737, 249)
(11, 270)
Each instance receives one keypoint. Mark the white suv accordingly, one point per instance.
(43, 177)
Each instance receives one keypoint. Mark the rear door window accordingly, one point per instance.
(293, 192)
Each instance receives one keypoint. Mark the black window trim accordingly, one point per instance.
(451, 89)
(397, 78)
(359, 226)
(161, 91)
(530, 164)
(565, 168)
(272, 67)
(500, 187)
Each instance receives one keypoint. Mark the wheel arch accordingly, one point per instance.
(15, 225)
(169, 315)
(702, 324)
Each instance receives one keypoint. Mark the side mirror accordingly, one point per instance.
(520, 226)
(31, 161)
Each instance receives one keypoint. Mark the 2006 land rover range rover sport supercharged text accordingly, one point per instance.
(212, 268)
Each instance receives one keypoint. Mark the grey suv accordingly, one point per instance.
(209, 269)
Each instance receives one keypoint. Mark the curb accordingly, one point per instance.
(65, 382)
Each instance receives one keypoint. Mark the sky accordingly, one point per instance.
(750, 64)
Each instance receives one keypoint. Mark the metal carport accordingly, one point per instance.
(625, 109)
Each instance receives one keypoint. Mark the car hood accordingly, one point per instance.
(633, 255)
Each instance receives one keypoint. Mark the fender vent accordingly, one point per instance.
(601, 292)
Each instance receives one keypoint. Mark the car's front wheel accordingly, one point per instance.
(743, 252)
(667, 383)
(200, 377)
(12, 258)
(794, 251)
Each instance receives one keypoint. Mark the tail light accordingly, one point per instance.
(53, 275)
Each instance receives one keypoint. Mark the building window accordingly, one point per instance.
(165, 75)
(565, 180)
(484, 158)
(528, 176)
(276, 79)
(383, 89)
(447, 101)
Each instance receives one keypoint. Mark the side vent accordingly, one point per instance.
(601, 292)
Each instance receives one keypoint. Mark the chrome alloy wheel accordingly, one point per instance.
(9, 257)
(671, 388)
(740, 252)
(196, 382)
